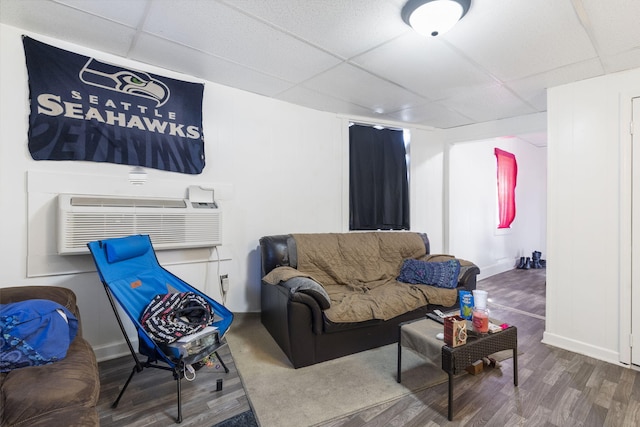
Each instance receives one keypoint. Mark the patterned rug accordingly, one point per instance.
(246, 419)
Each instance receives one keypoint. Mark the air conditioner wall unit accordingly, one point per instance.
(170, 223)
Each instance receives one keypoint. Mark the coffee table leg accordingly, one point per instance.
(515, 366)
(399, 361)
(450, 396)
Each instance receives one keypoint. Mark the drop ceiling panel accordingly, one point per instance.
(488, 103)
(189, 61)
(67, 24)
(428, 67)
(345, 28)
(227, 33)
(318, 101)
(353, 85)
(539, 139)
(513, 39)
(127, 12)
(615, 24)
(621, 62)
(433, 113)
(533, 89)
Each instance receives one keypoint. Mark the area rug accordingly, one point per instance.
(245, 419)
(282, 396)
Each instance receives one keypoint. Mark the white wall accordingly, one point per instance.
(473, 232)
(588, 215)
(426, 186)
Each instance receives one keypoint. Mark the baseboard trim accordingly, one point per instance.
(580, 347)
(113, 350)
(497, 268)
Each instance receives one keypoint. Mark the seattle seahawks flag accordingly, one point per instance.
(85, 109)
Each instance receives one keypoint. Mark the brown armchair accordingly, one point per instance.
(64, 393)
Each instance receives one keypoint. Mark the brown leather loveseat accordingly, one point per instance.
(63, 393)
(327, 295)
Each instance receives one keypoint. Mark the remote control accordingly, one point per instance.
(439, 313)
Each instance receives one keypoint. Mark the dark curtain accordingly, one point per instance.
(378, 185)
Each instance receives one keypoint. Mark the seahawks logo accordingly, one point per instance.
(123, 80)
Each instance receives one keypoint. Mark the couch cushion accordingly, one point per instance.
(383, 302)
(440, 274)
(29, 394)
(356, 259)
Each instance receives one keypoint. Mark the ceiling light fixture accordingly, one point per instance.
(434, 17)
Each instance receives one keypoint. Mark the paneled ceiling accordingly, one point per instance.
(357, 57)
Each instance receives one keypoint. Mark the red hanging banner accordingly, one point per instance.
(507, 176)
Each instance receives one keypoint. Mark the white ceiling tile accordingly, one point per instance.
(345, 28)
(621, 62)
(186, 60)
(512, 39)
(221, 31)
(353, 85)
(615, 24)
(432, 114)
(428, 67)
(488, 103)
(67, 24)
(533, 89)
(127, 12)
(318, 101)
(539, 139)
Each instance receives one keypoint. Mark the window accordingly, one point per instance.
(507, 176)
(378, 179)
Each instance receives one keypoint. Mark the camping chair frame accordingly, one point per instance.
(112, 251)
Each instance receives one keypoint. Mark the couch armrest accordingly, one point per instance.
(310, 287)
(316, 312)
(280, 298)
(294, 320)
(468, 278)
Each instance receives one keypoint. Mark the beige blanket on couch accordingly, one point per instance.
(358, 271)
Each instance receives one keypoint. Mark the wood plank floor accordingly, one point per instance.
(556, 387)
(150, 399)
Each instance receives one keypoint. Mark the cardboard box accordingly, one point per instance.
(455, 331)
(475, 368)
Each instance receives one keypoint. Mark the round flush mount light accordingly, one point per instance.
(434, 17)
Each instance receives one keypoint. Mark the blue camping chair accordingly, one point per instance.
(131, 275)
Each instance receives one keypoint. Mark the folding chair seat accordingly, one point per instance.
(132, 277)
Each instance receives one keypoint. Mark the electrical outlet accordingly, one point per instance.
(224, 282)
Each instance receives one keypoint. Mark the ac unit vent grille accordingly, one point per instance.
(128, 203)
(83, 221)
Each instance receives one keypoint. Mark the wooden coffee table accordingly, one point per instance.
(419, 335)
